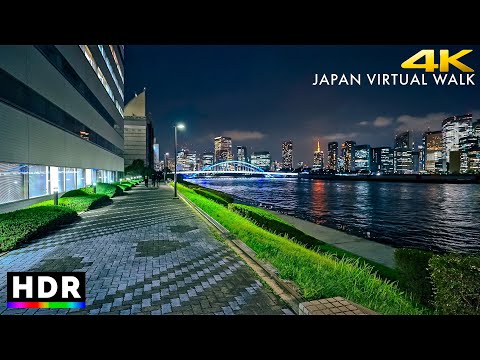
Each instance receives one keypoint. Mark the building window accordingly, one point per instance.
(80, 178)
(13, 182)
(88, 54)
(38, 181)
(70, 179)
(109, 66)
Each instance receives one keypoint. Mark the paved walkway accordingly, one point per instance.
(380, 253)
(145, 254)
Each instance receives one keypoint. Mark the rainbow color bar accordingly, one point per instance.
(45, 305)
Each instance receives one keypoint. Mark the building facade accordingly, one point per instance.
(242, 153)
(223, 149)
(139, 135)
(287, 155)
(348, 156)
(433, 148)
(454, 129)
(333, 156)
(362, 161)
(466, 143)
(156, 156)
(381, 160)
(61, 115)
(474, 160)
(403, 161)
(208, 159)
(318, 158)
(261, 159)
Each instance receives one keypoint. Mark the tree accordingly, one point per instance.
(137, 167)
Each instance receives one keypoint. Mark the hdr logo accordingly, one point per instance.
(45, 290)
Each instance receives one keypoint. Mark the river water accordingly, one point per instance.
(444, 217)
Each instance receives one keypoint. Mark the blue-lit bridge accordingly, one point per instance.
(233, 168)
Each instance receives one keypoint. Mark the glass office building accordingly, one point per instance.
(61, 115)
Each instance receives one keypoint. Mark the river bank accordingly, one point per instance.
(379, 253)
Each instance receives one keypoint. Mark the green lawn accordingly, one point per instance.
(318, 275)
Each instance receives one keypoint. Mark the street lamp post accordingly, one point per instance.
(180, 126)
(165, 168)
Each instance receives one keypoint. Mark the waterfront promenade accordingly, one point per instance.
(148, 254)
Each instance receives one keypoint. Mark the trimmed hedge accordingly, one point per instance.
(456, 284)
(413, 273)
(78, 203)
(211, 196)
(110, 190)
(22, 225)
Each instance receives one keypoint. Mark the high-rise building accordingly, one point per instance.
(433, 145)
(182, 160)
(474, 160)
(348, 156)
(242, 153)
(62, 123)
(287, 154)
(476, 129)
(454, 128)
(362, 159)
(381, 160)
(261, 159)
(421, 158)
(276, 166)
(223, 149)
(318, 158)
(403, 161)
(192, 161)
(156, 155)
(416, 162)
(207, 159)
(333, 156)
(466, 143)
(138, 131)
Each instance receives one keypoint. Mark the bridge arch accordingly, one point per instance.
(233, 165)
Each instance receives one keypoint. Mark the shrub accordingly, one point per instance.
(317, 275)
(78, 203)
(22, 225)
(78, 192)
(456, 284)
(211, 196)
(110, 190)
(413, 273)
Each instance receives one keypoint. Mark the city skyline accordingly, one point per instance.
(261, 96)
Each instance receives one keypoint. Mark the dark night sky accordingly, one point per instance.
(262, 95)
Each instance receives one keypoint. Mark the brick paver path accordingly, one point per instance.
(147, 253)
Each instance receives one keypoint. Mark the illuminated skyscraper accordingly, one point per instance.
(466, 143)
(403, 161)
(262, 159)
(242, 153)
(287, 154)
(348, 155)
(381, 160)
(453, 129)
(223, 149)
(207, 159)
(156, 156)
(318, 158)
(432, 143)
(333, 156)
(362, 158)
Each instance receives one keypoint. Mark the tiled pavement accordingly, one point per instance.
(147, 253)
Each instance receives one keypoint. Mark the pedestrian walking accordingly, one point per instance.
(154, 179)
(146, 180)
